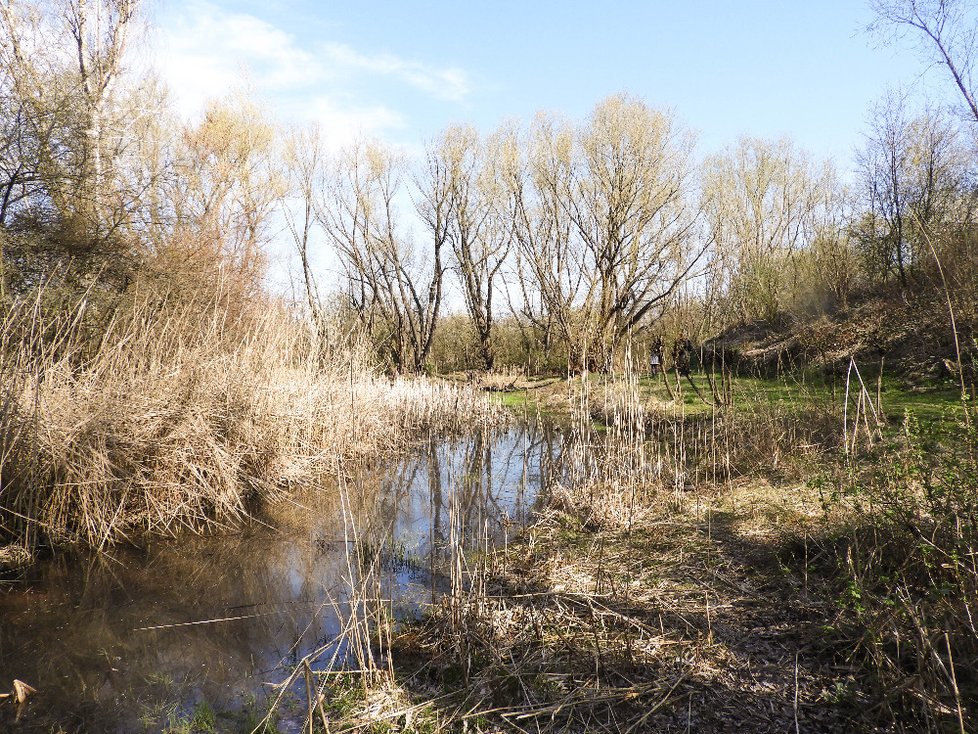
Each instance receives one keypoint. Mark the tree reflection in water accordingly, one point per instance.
(108, 641)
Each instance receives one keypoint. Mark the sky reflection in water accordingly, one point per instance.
(75, 628)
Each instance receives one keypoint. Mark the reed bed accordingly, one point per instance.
(603, 616)
(186, 416)
(623, 609)
(652, 628)
(768, 565)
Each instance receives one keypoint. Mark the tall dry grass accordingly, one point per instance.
(560, 632)
(895, 532)
(185, 415)
(647, 447)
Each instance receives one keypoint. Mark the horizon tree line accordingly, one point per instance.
(580, 236)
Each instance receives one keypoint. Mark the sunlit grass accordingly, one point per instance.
(794, 390)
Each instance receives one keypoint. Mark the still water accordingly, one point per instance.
(124, 641)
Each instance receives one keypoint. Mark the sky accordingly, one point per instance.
(403, 71)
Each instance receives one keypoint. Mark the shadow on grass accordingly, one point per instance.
(667, 628)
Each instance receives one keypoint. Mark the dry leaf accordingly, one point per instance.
(22, 691)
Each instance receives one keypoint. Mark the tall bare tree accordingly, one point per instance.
(605, 225)
(478, 224)
(80, 96)
(763, 199)
(232, 184)
(947, 31)
(100, 30)
(912, 170)
(548, 262)
(833, 266)
(631, 205)
(305, 158)
(64, 62)
(392, 287)
(33, 94)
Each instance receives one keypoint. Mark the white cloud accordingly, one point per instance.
(204, 52)
(342, 123)
(450, 84)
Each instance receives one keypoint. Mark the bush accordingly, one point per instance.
(911, 570)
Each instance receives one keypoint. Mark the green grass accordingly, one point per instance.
(202, 720)
(205, 719)
(517, 400)
(929, 403)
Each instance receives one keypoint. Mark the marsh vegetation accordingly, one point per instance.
(696, 449)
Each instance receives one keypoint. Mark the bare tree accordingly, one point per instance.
(834, 265)
(548, 255)
(476, 222)
(80, 97)
(947, 31)
(100, 30)
(21, 180)
(148, 175)
(20, 150)
(763, 200)
(604, 225)
(912, 171)
(232, 184)
(305, 158)
(69, 127)
(389, 285)
(630, 202)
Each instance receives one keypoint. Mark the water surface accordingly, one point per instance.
(125, 641)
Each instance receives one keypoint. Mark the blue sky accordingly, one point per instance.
(402, 71)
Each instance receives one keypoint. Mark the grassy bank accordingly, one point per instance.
(559, 397)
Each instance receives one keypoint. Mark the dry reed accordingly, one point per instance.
(186, 415)
(623, 605)
(683, 575)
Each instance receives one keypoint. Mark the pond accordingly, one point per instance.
(133, 638)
